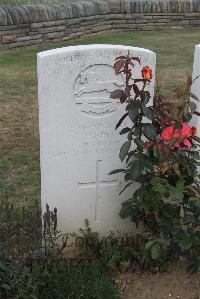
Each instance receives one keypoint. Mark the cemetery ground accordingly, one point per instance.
(19, 151)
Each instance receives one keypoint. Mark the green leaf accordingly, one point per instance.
(189, 218)
(127, 177)
(149, 165)
(129, 137)
(178, 191)
(186, 243)
(196, 239)
(133, 110)
(121, 120)
(136, 90)
(138, 129)
(139, 142)
(125, 187)
(157, 185)
(116, 171)
(155, 251)
(126, 209)
(177, 194)
(135, 170)
(117, 94)
(145, 96)
(124, 131)
(149, 244)
(180, 185)
(149, 130)
(6, 287)
(192, 106)
(124, 150)
(130, 155)
(195, 97)
(195, 202)
(188, 116)
(148, 112)
(4, 267)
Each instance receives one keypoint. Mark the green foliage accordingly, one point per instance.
(57, 279)
(7, 276)
(63, 279)
(87, 240)
(88, 280)
(115, 251)
(162, 155)
(19, 231)
(32, 266)
(124, 150)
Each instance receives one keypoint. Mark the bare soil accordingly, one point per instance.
(173, 283)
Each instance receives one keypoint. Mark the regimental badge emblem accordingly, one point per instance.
(92, 90)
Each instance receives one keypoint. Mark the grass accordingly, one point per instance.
(77, 281)
(58, 280)
(19, 139)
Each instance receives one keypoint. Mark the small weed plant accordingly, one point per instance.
(117, 252)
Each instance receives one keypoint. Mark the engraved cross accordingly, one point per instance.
(97, 183)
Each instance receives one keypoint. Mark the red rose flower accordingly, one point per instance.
(186, 131)
(170, 133)
(186, 142)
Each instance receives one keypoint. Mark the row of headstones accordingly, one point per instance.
(79, 145)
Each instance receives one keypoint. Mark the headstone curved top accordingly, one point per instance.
(79, 145)
(196, 85)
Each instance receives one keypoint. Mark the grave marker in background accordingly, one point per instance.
(79, 145)
(196, 85)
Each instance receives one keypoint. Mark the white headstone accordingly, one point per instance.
(78, 142)
(196, 85)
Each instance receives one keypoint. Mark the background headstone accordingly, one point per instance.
(196, 85)
(78, 142)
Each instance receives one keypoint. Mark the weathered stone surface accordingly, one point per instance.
(36, 25)
(29, 37)
(6, 39)
(53, 35)
(79, 143)
(195, 22)
(10, 32)
(53, 12)
(8, 28)
(3, 17)
(48, 29)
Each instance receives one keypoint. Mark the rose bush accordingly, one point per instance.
(161, 155)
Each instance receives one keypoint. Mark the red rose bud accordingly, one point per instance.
(147, 73)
